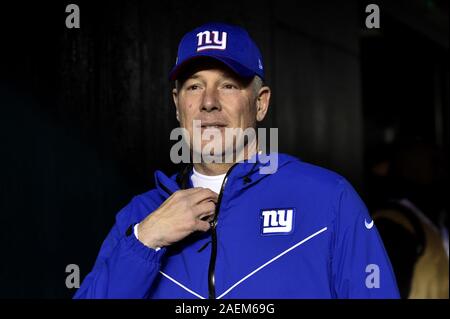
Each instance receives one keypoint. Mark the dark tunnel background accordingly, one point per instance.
(85, 114)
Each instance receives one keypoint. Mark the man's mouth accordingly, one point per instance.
(213, 125)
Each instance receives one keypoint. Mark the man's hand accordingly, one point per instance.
(183, 213)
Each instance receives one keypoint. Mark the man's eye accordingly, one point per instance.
(230, 86)
(193, 87)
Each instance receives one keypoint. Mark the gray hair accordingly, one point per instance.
(257, 84)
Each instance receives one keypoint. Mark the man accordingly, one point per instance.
(226, 230)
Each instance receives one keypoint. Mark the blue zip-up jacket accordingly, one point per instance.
(302, 232)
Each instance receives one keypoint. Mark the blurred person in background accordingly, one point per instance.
(412, 217)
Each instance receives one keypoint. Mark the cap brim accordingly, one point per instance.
(235, 66)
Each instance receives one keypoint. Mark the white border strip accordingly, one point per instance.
(182, 286)
(271, 261)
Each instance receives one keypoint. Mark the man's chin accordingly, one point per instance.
(208, 155)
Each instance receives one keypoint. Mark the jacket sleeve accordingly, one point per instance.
(125, 268)
(360, 264)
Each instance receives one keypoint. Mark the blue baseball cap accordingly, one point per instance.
(226, 43)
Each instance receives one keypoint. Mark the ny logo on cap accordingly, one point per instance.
(205, 42)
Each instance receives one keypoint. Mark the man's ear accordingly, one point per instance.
(175, 101)
(262, 103)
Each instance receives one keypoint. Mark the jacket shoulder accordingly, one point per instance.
(311, 174)
(326, 186)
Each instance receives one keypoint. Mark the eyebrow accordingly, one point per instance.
(224, 76)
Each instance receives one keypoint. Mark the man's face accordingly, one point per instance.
(219, 99)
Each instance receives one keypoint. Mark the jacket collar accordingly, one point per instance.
(248, 171)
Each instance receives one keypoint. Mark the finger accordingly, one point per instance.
(209, 218)
(202, 226)
(204, 209)
(192, 189)
(183, 192)
(202, 195)
(189, 191)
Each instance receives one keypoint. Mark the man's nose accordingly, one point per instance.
(210, 101)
